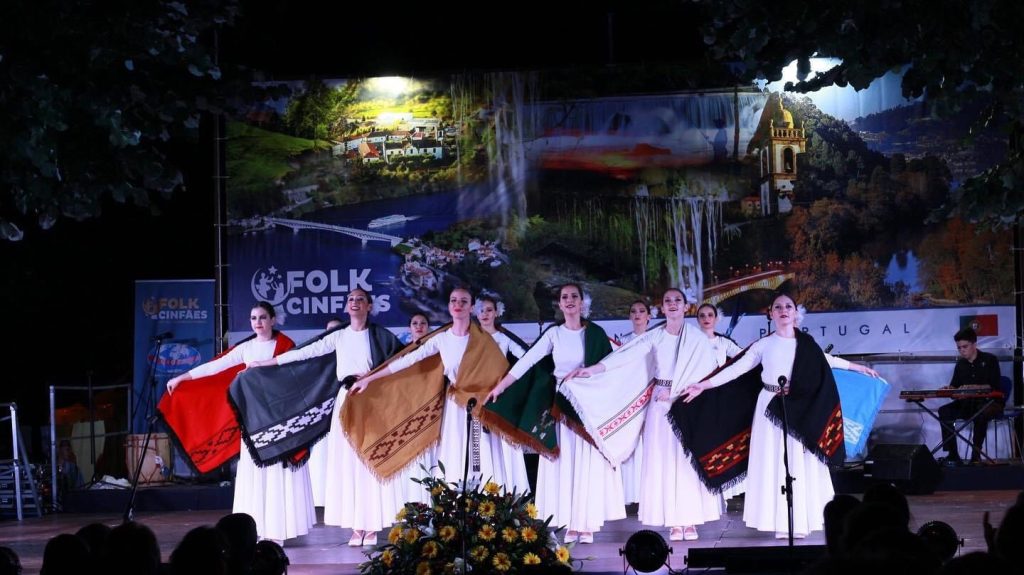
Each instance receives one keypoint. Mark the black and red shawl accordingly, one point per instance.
(200, 420)
(715, 427)
(284, 409)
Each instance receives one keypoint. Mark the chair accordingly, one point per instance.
(1005, 421)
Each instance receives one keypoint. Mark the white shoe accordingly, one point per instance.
(357, 538)
(586, 537)
(690, 533)
(675, 534)
(370, 539)
(571, 537)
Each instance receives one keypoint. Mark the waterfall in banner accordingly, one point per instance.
(696, 224)
(508, 165)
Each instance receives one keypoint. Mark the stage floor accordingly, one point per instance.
(323, 550)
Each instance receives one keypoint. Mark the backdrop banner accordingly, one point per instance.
(173, 334)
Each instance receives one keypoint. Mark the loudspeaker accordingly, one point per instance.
(911, 468)
(755, 559)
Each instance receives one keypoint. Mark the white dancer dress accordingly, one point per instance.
(580, 489)
(671, 493)
(499, 462)
(765, 506)
(724, 348)
(354, 498)
(277, 497)
(632, 467)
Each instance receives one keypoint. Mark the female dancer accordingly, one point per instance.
(278, 498)
(419, 326)
(354, 498)
(580, 489)
(506, 469)
(813, 404)
(640, 317)
(723, 346)
(671, 494)
(487, 311)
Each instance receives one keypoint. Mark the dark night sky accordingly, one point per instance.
(69, 291)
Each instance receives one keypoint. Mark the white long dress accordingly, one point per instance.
(632, 467)
(512, 460)
(277, 497)
(724, 348)
(580, 489)
(765, 506)
(354, 498)
(671, 493)
(499, 461)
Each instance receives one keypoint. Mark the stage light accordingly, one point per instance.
(940, 538)
(645, 552)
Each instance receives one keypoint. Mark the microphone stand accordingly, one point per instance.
(129, 510)
(465, 478)
(787, 489)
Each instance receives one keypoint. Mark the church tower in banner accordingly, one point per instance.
(778, 161)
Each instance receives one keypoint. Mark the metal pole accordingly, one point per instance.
(1018, 300)
(219, 209)
(53, 450)
(15, 462)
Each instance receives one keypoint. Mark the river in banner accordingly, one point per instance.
(306, 274)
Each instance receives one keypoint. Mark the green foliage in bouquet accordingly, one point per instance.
(503, 534)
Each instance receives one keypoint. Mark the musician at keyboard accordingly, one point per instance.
(974, 369)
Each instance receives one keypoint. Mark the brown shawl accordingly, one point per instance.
(398, 416)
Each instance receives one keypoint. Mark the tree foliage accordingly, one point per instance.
(92, 97)
(953, 53)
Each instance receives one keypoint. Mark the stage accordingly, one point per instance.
(323, 551)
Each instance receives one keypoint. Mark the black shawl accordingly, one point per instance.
(285, 409)
(715, 427)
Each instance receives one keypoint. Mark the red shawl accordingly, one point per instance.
(200, 419)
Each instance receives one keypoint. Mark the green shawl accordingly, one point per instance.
(526, 413)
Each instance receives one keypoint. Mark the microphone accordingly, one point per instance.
(783, 382)
(164, 335)
(470, 404)
(829, 347)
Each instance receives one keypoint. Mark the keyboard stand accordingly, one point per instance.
(956, 429)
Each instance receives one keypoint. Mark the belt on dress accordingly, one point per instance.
(771, 388)
(662, 382)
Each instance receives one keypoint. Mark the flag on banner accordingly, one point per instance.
(985, 324)
(861, 397)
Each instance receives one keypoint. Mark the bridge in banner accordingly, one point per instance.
(766, 280)
(365, 235)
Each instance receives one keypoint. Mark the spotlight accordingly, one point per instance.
(941, 539)
(645, 552)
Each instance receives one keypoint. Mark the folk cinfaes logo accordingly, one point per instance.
(171, 307)
(301, 292)
(268, 285)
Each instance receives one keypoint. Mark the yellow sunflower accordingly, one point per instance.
(387, 557)
(401, 514)
(492, 488)
(487, 533)
(411, 535)
(479, 553)
(447, 533)
(531, 559)
(394, 534)
(437, 490)
(529, 535)
(501, 562)
(430, 549)
(423, 568)
(487, 509)
(509, 534)
(562, 554)
(531, 510)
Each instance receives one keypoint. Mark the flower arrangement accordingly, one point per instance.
(502, 534)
